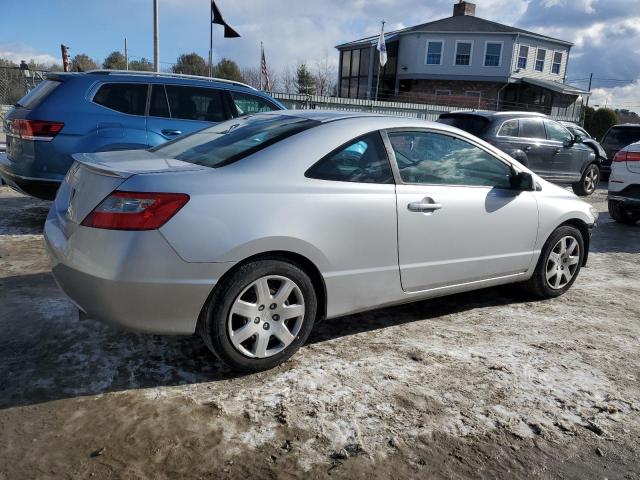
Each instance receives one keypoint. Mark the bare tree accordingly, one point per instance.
(251, 75)
(287, 80)
(325, 76)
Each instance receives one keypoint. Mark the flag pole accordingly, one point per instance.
(378, 78)
(210, 40)
(261, 55)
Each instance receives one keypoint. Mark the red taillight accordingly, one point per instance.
(625, 156)
(35, 129)
(620, 157)
(135, 211)
(633, 156)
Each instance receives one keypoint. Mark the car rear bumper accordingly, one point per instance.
(44, 189)
(131, 279)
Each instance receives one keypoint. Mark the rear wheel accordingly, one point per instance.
(260, 315)
(621, 214)
(589, 181)
(559, 263)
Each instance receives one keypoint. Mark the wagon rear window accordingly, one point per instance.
(230, 141)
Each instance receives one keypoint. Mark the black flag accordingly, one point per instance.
(217, 18)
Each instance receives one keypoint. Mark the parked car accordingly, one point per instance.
(589, 141)
(250, 230)
(624, 185)
(105, 110)
(542, 144)
(616, 138)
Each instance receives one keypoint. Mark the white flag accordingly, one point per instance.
(382, 47)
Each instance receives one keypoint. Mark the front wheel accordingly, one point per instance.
(589, 181)
(559, 264)
(260, 315)
(620, 214)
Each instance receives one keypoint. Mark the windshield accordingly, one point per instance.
(38, 94)
(622, 136)
(230, 141)
(474, 124)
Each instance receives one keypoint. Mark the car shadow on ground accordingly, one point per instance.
(612, 237)
(48, 354)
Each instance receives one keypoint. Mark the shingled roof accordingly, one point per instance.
(455, 24)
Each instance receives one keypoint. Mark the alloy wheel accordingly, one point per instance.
(562, 262)
(266, 316)
(591, 179)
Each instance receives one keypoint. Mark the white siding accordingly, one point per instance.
(534, 44)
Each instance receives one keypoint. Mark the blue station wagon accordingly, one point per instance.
(106, 110)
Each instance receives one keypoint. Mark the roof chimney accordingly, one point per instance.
(464, 8)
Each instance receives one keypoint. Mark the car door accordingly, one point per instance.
(532, 140)
(176, 110)
(567, 157)
(459, 221)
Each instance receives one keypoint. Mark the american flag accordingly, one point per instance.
(264, 73)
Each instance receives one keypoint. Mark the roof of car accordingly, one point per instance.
(166, 76)
(488, 114)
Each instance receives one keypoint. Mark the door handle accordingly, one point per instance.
(424, 206)
(558, 150)
(170, 131)
(528, 148)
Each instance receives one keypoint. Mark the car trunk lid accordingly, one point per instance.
(94, 176)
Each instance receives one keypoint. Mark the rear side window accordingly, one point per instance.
(363, 160)
(130, 98)
(532, 128)
(230, 141)
(622, 136)
(38, 94)
(557, 132)
(509, 129)
(196, 103)
(474, 124)
(246, 103)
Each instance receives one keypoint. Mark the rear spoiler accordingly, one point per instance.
(88, 161)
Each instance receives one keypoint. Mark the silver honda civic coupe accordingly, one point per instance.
(249, 231)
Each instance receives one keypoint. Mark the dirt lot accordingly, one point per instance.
(484, 385)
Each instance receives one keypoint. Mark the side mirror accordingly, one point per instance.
(522, 181)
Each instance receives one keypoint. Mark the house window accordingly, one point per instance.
(492, 54)
(463, 53)
(540, 57)
(557, 62)
(443, 93)
(523, 55)
(434, 53)
(473, 93)
(354, 68)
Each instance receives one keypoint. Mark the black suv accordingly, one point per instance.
(536, 141)
(616, 138)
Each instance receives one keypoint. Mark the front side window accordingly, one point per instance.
(557, 63)
(540, 58)
(363, 160)
(247, 104)
(434, 53)
(196, 103)
(233, 140)
(531, 128)
(492, 54)
(557, 132)
(509, 129)
(440, 159)
(463, 53)
(523, 56)
(130, 98)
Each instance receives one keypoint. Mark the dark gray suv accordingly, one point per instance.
(544, 145)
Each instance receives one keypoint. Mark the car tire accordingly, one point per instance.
(589, 181)
(240, 292)
(543, 283)
(621, 214)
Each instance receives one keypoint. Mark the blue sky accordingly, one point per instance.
(606, 32)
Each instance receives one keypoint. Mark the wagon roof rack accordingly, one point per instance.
(165, 74)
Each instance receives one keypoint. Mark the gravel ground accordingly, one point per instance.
(490, 384)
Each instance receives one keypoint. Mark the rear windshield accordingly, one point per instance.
(230, 141)
(622, 136)
(474, 124)
(38, 94)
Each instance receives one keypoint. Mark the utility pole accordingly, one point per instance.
(210, 40)
(126, 55)
(156, 47)
(65, 57)
(589, 96)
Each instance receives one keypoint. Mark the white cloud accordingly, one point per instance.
(16, 52)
